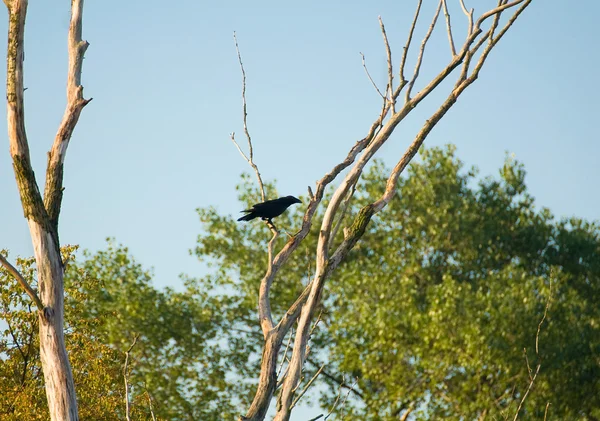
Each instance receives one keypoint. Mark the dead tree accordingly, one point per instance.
(42, 212)
(483, 33)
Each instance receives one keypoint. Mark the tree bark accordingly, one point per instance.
(42, 215)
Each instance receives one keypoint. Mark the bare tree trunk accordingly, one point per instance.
(42, 214)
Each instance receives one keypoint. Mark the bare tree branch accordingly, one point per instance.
(469, 14)
(75, 103)
(422, 52)
(390, 86)
(407, 45)
(449, 28)
(250, 157)
(21, 280)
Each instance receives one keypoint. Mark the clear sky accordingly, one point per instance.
(154, 143)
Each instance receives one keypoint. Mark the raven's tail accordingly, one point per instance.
(247, 217)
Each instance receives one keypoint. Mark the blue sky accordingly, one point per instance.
(154, 143)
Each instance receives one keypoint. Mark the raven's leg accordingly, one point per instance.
(271, 225)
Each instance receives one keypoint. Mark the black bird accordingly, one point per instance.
(269, 209)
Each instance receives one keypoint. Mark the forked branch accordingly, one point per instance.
(75, 104)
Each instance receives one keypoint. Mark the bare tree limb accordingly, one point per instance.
(469, 14)
(75, 104)
(407, 45)
(422, 52)
(250, 157)
(449, 28)
(21, 280)
(388, 52)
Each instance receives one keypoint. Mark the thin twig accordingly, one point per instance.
(21, 280)
(287, 347)
(449, 29)
(537, 335)
(546, 411)
(151, 407)
(250, 157)
(370, 78)
(310, 382)
(388, 52)
(537, 370)
(469, 14)
(348, 394)
(335, 402)
(422, 51)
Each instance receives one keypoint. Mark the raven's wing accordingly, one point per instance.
(265, 205)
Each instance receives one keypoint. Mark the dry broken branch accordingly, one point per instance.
(21, 280)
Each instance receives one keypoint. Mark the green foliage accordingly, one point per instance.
(96, 366)
(176, 365)
(433, 308)
(431, 311)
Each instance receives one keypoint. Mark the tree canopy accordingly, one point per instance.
(429, 315)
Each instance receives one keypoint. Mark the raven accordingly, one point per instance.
(269, 209)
